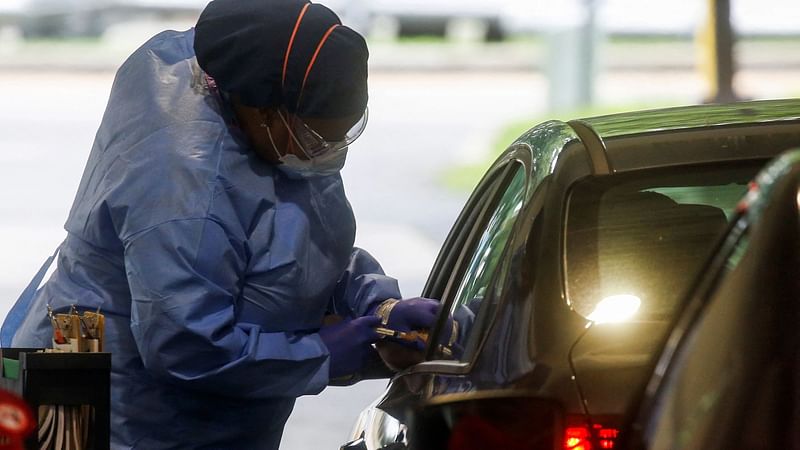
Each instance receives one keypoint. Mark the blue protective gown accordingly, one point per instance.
(213, 268)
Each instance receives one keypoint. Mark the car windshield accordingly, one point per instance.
(634, 242)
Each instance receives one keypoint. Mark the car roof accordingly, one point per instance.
(696, 116)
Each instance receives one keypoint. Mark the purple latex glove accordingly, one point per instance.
(349, 346)
(413, 314)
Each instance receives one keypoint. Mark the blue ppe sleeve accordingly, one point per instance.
(362, 286)
(185, 277)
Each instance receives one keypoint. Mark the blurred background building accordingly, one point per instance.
(451, 83)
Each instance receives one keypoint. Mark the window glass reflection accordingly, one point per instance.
(645, 236)
(484, 262)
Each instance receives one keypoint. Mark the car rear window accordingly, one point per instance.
(634, 242)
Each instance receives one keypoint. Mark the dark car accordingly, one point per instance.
(729, 376)
(564, 273)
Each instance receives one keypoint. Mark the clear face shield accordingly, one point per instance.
(317, 137)
(315, 155)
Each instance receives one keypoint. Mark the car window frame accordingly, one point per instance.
(458, 240)
(460, 234)
(461, 243)
(491, 284)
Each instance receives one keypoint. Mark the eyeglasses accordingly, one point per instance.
(313, 143)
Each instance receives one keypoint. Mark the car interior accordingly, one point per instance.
(638, 243)
(641, 237)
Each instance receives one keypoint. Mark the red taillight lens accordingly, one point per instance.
(606, 437)
(580, 438)
(16, 421)
(577, 438)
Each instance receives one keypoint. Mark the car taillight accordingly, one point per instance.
(579, 436)
(16, 421)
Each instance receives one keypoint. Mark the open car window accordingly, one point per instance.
(491, 237)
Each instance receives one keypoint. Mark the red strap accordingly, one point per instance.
(314, 58)
(291, 41)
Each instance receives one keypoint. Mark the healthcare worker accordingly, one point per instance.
(212, 229)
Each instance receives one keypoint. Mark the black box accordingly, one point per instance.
(64, 379)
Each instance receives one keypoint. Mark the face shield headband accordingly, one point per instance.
(309, 141)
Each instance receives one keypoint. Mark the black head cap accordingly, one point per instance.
(243, 45)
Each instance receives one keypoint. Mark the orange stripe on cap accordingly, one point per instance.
(291, 42)
(314, 58)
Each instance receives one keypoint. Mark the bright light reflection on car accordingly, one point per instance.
(615, 309)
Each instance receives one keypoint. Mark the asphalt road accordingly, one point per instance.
(420, 124)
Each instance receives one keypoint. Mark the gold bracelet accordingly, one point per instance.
(385, 308)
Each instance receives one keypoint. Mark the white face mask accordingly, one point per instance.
(325, 164)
